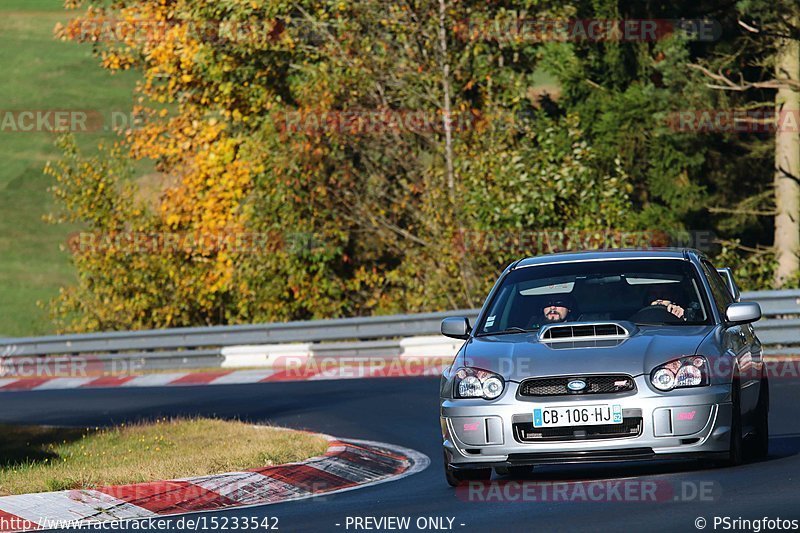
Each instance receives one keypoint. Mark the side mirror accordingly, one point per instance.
(456, 327)
(743, 312)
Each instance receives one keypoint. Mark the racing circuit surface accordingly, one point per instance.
(404, 411)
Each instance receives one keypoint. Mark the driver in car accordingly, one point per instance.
(664, 296)
(557, 309)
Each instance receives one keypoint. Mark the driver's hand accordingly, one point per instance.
(675, 309)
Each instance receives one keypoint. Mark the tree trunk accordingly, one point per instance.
(787, 163)
(447, 119)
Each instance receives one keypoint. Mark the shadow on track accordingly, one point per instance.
(780, 446)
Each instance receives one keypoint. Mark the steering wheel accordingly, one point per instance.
(654, 314)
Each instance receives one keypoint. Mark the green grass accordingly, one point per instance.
(37, 459)
(32, 5)
(41, 73)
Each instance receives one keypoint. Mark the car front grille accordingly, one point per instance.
(525, 432)
(594, 385)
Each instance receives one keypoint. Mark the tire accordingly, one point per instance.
(759, 445)
(459, 477)
(736, 449)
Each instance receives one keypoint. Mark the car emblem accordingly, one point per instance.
(576, 385)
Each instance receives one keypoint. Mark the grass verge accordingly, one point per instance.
(38, 459)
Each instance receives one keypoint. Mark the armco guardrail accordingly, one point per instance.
(781, 323)
(780, 326)
(775, 303)
(218, 336)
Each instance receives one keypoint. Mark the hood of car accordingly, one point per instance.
(518, 356)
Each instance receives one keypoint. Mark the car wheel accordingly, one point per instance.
(459, 477)
(735, 455)
(759, 446)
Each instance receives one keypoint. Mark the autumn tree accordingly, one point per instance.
(395, 154)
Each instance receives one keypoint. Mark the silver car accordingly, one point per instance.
(605, 356)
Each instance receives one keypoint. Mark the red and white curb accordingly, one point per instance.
(222, 377)
(347, 465)
(780, 366)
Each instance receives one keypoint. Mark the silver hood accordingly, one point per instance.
(523, 355)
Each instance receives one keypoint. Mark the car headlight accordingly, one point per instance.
(476, 383)
(689, 371)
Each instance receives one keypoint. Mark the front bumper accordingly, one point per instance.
(693, 422)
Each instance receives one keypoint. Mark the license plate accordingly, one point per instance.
(583, 415)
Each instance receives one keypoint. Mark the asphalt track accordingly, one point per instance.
(404, 411)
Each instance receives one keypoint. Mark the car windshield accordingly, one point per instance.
(643, 291)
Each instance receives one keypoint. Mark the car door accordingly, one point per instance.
(739, 340)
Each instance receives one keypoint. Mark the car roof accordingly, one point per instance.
(610, 254)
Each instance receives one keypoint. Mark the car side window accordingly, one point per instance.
(722, 296)
(495, 320)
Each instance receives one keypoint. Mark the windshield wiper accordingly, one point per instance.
(512, 329)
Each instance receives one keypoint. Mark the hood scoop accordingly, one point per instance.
(583, 331)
